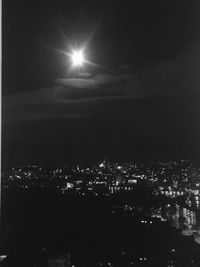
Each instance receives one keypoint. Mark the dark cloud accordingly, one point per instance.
(168, 78)
(135, 33)
(134, 128)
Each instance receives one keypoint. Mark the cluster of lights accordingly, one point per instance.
(143, 259)
(146, 222)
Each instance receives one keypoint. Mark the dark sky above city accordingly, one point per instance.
(142, 103)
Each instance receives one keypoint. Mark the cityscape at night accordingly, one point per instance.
(100, 133)
(156, 198)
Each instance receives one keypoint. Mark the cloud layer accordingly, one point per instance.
(163, 79)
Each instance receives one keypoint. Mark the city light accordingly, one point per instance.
(104, 179)
(2, 257)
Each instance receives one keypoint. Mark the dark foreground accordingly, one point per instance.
(46, 228)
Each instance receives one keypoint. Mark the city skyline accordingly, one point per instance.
(152, 200)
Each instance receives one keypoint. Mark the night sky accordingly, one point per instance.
(142, 103)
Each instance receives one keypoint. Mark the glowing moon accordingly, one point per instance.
(77, 58)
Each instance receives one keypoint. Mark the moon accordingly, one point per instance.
(77, 57)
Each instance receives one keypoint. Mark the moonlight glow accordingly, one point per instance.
(77, 58)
